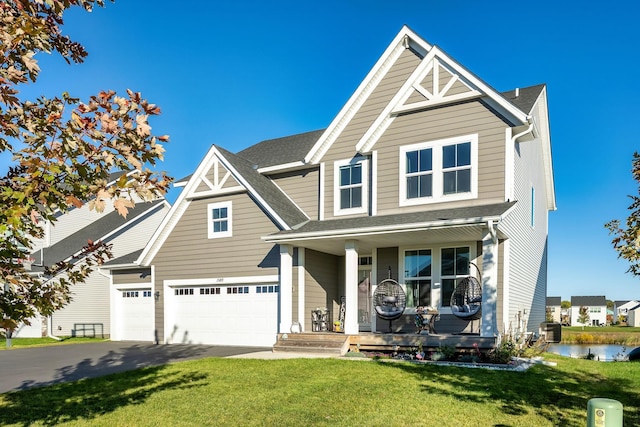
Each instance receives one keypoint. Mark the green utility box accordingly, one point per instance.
(603, 412)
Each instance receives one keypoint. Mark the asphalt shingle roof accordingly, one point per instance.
(280, 151)
(526, 98)
(589, 301)
(553, 301)
(94, 231)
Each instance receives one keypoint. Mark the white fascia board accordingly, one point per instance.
(545, 138)
(364, 231)
(364, 90)
(213, 281)
(133, 264)
(283, 167)
(177, 210)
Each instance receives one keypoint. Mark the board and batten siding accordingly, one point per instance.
(302, 187)
(527, 255)
(344, 146)
(188, 253)
(436, 124)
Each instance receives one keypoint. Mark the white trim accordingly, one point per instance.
(321, 198)
(364, 90)
(364, 185)
(221, 281)
(506, 283)
(374, 183)
(301, 287)
(509, 165)
(438, 172)
(282, 167)
(211, 234)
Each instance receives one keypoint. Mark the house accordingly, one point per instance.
(554, 310)
(89, 311)
(425, 173)
(596, 309)
(633, 316)
(621, 309)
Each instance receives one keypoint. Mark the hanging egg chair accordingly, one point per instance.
(466, 300)
(389, 300)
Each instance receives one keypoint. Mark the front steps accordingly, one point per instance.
(317, 342)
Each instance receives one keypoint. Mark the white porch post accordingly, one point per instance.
(351, 287)
(301, 287)
(286, 288)
(489, 281)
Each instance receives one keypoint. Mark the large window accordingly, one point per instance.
(454, 265)
(439, 171)
(351, 186)
(219, 219)
(417, 277)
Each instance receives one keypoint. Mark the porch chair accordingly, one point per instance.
(466, 300)
(389, 300)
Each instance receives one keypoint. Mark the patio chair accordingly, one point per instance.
(466, 300)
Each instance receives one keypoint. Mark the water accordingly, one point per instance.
(602, 352)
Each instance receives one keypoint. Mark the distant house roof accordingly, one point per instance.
(554, 301)
(589, 301)
(95, 231)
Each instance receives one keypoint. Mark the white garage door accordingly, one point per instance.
(243, 315)
(135, 315)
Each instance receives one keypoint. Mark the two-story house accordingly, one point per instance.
(89, 311)
(594, 306)
(554, 309)
(621, 309)
(425, 170)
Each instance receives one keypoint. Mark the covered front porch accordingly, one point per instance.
(321, 267)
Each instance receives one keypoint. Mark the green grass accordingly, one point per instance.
(40, 342)
(294, 392)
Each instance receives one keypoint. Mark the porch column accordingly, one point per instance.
(351, 287)
(286, 288)
(489, 281)
(301, 287)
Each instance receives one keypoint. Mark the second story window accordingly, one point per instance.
(351, 186)
(439, 171)
(219, 223)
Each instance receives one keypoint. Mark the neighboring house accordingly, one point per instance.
(554, 310)
(621, 309)
(633, 316)
(596, 308)
(89, 310)
(425, 169)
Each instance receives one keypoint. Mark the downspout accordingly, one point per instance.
(524, 132)
(50, 328)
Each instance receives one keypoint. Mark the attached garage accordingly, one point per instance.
(235, 315)
(133, 314)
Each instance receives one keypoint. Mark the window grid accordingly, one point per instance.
(417, 277)
(351, 186)
(454, 265)
(183, 291)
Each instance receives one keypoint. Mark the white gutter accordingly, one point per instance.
(50, 327)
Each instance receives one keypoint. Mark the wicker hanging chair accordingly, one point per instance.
(389, 300)
(466, 300)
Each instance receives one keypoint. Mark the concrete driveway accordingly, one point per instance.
(24, 368)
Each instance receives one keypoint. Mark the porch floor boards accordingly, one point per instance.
(338, 343)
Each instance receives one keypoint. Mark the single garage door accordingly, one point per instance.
(134, 315)
(244, 315)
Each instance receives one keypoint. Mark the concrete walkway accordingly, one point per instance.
(24, 368)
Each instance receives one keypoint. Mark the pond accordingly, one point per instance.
(602, 352)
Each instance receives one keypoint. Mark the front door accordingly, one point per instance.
(364, 294)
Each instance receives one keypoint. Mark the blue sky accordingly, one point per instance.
(236, 73)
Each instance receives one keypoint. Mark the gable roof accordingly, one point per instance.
(589, 301)
(433, 59)
(554, 301)
(281, 151)
(103, 229)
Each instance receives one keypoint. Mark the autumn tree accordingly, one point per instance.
(583, 316)
(626, 239)
(63, 150)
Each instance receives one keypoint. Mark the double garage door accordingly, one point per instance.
(240, 315)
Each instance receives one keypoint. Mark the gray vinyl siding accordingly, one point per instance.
(344, 146)
(302, 187)
(321, 284)
(432, 125)
(528, 245)
(188, 253)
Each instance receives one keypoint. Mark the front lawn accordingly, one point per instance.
(39, 342)
(294, 392)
